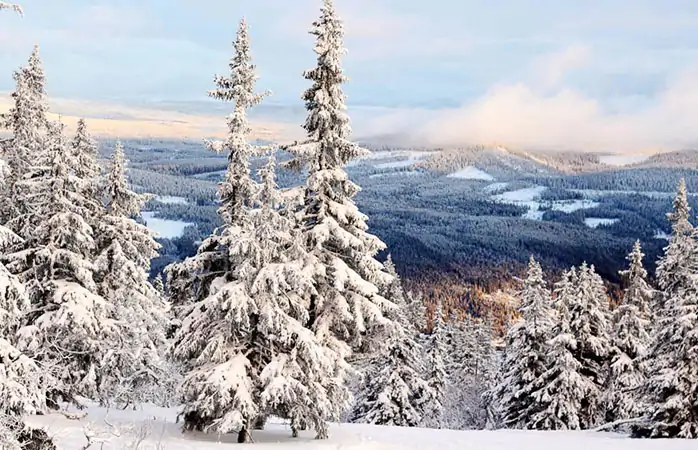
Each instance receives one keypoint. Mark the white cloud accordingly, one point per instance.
(520, 116)
(552, 68)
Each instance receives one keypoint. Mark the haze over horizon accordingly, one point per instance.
(614, 75)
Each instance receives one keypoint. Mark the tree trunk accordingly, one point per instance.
(244, 436)
(259, 422)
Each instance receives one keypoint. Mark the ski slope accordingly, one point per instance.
(156, 429)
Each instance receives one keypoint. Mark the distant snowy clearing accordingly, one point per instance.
(158, 429)
(595, 222)
(403, 159)
(399, 173)
(163, 227)
(622, 160)
(168, 199)
(471, 173)
(495, 188)
(530, 198)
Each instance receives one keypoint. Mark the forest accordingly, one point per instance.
(280, 302)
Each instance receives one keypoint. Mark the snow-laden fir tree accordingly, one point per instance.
(191, 280)
(13, 6)
(562, 387)
(132, 367)
(670, 392)
(526, 353)
(69, 323)
(589, 323)
(84, 164)
(20, 378)
(395, 392)
(348, 303)
(27, 122)
(249, 351)
(435, 371)
(630, 338)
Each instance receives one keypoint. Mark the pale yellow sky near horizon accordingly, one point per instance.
(117, 121)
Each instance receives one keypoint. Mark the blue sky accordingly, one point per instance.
(477, 61)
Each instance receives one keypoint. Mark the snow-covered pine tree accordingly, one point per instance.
(132, 366)
(250, 354)
(395, 392)
(67, 328)
(436, 371)
(630, 339)
(27, 122)
(590, 319)
(84, 164)
(562, 387)
(670, 391)
(159, 285)
(15, 7)
(348, 302)
(190, 280)
(526, 353)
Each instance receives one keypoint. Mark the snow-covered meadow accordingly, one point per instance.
(156, 428)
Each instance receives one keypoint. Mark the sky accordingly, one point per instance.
(602, 75)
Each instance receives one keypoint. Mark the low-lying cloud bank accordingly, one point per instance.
(520, 116)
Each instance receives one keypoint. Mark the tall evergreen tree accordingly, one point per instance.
(395, 392)
(191, 280)
(589, 323)
(133, 365)
(84, 163)
(347, 275)
(526, 353)
(630, 340)
(436, 372)
(69, 321)
(562, 386)
(670, 392)
(27, 122)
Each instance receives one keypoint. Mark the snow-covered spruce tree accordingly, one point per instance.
(250, 354)
(526, 353)
(27, 122)
(15, 7)
(85, 167)
(348, 303)
(395, 392)
(435, 372)
(561, 388)
(590, 320)
(190, 280)
(69, 323)
(670, 392)
(132, 367)
(630, 339)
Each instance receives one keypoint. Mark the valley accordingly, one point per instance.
(461, 212)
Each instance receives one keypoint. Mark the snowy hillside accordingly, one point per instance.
(156, 429)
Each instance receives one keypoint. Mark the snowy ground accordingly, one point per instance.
(595, 222)
(471, 173)
(156, 427)
(163, 227)
(622, 160)
(530, 198)
(169, 199)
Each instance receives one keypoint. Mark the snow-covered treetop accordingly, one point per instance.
(85, 152)
(327, 124)
(679, 218)
(238, 190)
(121, 200)
(240, 86)
(16, 8)
(636, 270)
